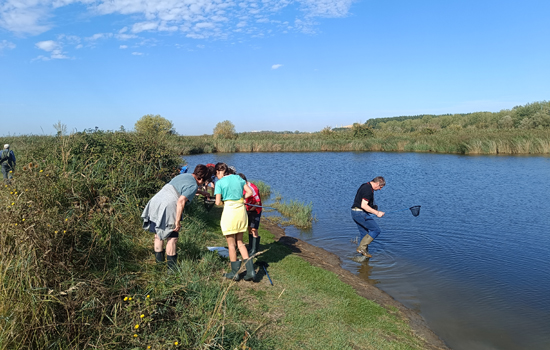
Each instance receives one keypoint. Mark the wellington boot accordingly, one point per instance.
(255, 246)
(234, 274)
(250, 272)
(363, 248)
(159, 257)
(172, 262)
(250, 243)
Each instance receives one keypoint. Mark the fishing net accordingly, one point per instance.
(415, 210)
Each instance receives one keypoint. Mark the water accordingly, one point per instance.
(474, 264)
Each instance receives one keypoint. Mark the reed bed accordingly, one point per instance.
(463, 141)
(298, 213)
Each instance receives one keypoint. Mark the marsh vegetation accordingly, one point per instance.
(78, 271)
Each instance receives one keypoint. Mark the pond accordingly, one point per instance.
(474, 263)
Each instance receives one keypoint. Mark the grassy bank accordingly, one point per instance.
(78, 272)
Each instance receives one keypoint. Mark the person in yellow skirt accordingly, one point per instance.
(234, 221)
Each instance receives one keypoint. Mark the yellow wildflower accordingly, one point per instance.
(12, 203)
(23, 220)
(142, 316)
(148, 296)
(56, 232)
(136, 326)
(135, 335)
(41, 170)
(130, 298)
(125, 298)
(176, 343)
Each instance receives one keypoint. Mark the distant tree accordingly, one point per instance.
(361, 130)
(154, 124)
(225, 130)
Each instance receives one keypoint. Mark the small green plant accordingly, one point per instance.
(263, 188)
(298, 213)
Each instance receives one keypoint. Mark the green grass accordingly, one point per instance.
(78, 271)
(298, 213)
(310, 308)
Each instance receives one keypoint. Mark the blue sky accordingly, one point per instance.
(264, 64)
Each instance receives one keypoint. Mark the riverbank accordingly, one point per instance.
(78, 272)
(320, 258)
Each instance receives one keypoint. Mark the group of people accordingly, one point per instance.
(241, 213)
(242, 208)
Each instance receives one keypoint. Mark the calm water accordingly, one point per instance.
(474, 264)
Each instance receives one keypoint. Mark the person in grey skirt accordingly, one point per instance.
(163, 213)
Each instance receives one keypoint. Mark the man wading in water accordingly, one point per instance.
(361, 210)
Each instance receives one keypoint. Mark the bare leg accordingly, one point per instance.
(253, 231)
(231, 247)
(242, 247)
(171, 246)
(158, 244)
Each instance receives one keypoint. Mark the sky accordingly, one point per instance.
(264, 64)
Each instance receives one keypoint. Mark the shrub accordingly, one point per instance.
(225, 130)
(154, 124)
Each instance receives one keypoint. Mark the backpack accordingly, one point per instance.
(4, 155)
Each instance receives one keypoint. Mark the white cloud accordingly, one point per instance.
(123, 47)
(125, 36)
(6, 45)
(53, 47)
(198, 18)
(276, 66)
(137, 53)
(144, 26)
(99, 36)
(48, 45)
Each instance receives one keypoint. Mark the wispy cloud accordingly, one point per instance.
(54, 48)
(276, 66)
(196, 18)
(6, 45)
(137, 53)
(123, 47)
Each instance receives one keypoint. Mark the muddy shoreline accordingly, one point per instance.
(331, 262)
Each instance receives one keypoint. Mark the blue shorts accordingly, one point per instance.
(254, 219)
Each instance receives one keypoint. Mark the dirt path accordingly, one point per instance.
(328, 261)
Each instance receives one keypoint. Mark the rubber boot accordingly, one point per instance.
(363, 248)
(159, 257)
(255, 246)
(250, 243)
(250, 273)
(234, 274)
(172, 262)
